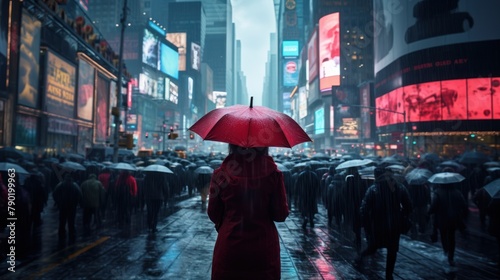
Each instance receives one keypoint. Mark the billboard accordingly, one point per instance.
(60, 86)
(302, 102)
(180, 41)
(166, 92)
(319, 121)
(290, 49)
(329, 51)
(220, 99)
(417, 25)
(169, 61)
(365, 111)
(290, 73)
(312, 55)
(150, 49)
(102, 112)
(457, 100)
(26, 130)
(85, 104)
(173, 93)
(349, 129)
(195, 56)
(29, 61)
(4, 26)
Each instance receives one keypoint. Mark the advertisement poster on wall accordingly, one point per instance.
(29, 61)
(26, 128)
(329, 51)
(60, 87)
(101, 113)
(195, 56)
(312, 55)
(85, 90)
(150, 49)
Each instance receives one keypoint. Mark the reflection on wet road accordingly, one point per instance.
(182, 249)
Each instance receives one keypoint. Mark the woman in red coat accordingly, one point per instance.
(247, 195)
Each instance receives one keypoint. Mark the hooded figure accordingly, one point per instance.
(307, 186)
(247, 195)
(385, 204)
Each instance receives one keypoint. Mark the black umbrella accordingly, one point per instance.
(13, 153)
(493, 189)
(75, 166)
(157, 168)
(6, 166)
(473, 157)
(204, 170)
(446, 178)
(418, 176)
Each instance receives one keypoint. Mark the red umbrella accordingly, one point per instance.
(254, 126)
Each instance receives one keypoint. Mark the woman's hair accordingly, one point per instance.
(235, 149)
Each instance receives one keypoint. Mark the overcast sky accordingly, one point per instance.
(254, 21)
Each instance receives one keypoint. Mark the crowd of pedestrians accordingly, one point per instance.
(370, 201)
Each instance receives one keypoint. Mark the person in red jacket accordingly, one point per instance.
(126, 192)
(247, 195)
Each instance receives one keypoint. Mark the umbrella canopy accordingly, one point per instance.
(75, 166)
(204, 170)
(157, 168)
(396, 167)
(493, 189)
(282, 167)
(215, 163)
(353, 163)
(418, 176)
(492, 164)
(5, 166)
(253, 126)
(473, 158)
(320, 156)
(13, 153)
(122, 166)
(453, 164)
(446, 178)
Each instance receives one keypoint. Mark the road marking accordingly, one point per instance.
(70, 257)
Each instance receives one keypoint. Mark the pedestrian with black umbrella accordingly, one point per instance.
(155, 192)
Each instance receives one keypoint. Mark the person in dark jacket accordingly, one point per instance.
(494, 224)
(383, 207)
(449, 209)
(354, 191)
(67, 196)
(92, 197)
(307, 186)
(247, 195)
(126, 192)
(202, 185)
(155, 192)
(35, 185)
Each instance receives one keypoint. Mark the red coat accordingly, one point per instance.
(246, 198)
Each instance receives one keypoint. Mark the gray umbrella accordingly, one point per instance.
(157, 168)
(6, 166)
(73, 166)
(122, 166)
(418, 176)
(493, 189)
(204, 170)
(446, 178)
(353, 163)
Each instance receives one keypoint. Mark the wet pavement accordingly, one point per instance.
(182, 249)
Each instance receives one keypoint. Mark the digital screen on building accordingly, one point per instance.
(365, 111)
(195, 56)
(101, 124)
(29, 61)
(460, 99)
(169, 61)
(180, 41)
(290, 48)
(413, 27)
(85, 104)
(173, 95)
(220, 99)
(60, 86)
(349, 128)
(150, 49)
(319, 121)
(312, 55)
(290, 72)
(329, 51)
(166, 92)
(4, 26)
(302, 102)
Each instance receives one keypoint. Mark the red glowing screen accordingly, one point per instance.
(461, 99)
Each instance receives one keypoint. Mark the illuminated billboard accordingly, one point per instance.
(101, 125)
(312, 55)
(85, 104)
(169, 61)
(290, 48)
(60, 86)
(173, 93)
(179, 40)
(29, 61)
(329, 51)
(220, 99)
(195, 56)
(150, 49)
(290, 73)
(319, 121)
(365, 112)
(457, 100)
(302, 102)
(4, 26)
(412, 26)
(349, 129)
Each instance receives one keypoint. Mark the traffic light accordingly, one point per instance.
(472, 135)
(146, 135)
(191, 135)
(173, 136)
(129, 138)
